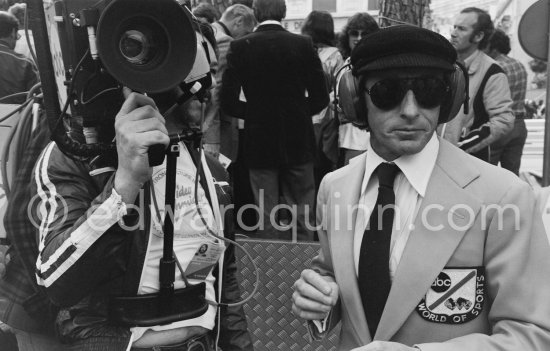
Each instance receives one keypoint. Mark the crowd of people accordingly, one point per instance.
(377, 142)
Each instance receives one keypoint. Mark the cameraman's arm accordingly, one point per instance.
(80, 240)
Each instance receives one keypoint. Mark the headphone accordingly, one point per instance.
(351, 101)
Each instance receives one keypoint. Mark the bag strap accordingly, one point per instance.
(480, 113)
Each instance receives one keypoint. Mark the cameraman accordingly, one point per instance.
(96, 244)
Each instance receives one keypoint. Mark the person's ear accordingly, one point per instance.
(238, 21)
(478, 37)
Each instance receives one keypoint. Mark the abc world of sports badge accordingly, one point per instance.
(455, 297)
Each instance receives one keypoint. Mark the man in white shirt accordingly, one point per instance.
(422, 245)
(490, 116)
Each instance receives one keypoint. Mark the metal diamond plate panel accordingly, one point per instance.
(270, 319)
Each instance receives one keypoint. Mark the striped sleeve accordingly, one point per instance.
(70, 217)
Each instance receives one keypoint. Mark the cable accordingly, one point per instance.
(6, 149)
(71, 89)
(256, 270)
(97, 73)
(27, 36)
(23, 93)
(4, 160)
(22, 106)
(180, 268)
(208, 229)
(96, 96)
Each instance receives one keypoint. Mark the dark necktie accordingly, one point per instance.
(374, 257)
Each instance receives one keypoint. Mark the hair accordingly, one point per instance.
(8, 23)
(359, 21)
(208, 11)
(18, 10)
(500, 41)
(269, 10)
(319, 25)
(484, 25)
(247, 3)
(237, 10)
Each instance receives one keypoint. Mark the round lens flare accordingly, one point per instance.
(135, 46)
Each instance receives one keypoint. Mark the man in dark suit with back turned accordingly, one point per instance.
(283, 83)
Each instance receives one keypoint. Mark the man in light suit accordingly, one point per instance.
(466, 259)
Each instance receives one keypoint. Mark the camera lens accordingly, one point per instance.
(135, 47)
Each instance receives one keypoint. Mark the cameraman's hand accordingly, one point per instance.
(138, 125)
(314, 295)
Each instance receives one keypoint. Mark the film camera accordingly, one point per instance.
(94, 49)
(98, 47)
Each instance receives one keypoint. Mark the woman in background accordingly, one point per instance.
(353, 141)
(319, 25)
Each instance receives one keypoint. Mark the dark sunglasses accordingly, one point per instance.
(429, 92)
(355, 33)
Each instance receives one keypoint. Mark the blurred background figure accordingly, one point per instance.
(509, 149)
(17, 73)
(22, 45)
(283, 83)
(352, 140)
(319, 25)
(206, 13)
(236, 21)
(247, 3)
(490, 116)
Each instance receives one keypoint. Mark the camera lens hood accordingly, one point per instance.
(148, 46)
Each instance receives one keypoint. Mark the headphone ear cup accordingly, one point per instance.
(457, 97)
(350, 101)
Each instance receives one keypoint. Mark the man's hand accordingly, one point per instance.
(314, 295)
(212, 149)
(138, 125)
(481, 145)
(385, 346)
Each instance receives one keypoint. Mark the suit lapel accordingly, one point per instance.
(438, 229)
(341, 241)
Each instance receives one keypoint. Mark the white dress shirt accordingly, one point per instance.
(410, 188)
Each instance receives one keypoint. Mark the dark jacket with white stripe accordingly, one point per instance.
(84, 259)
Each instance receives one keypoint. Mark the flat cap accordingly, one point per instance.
(402, 46)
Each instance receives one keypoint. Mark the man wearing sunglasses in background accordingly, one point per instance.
(422, 245)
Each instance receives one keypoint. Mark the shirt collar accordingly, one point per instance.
(270, 22)
(470, 60)
(225, 29)
(417, 168)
